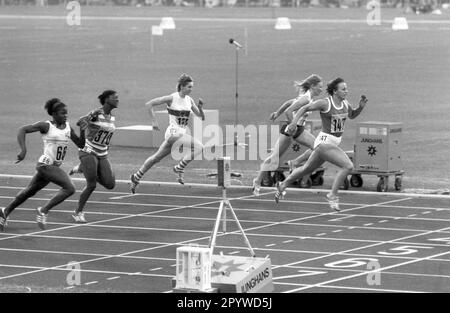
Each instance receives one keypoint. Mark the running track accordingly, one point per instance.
(130, 241)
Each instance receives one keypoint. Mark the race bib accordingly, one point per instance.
(338, 123)
(182, 121)
(45, 160)
(102, 137)
(61, 153)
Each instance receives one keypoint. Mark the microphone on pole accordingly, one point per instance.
(234, 42)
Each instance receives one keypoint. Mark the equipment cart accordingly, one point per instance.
(377, 151)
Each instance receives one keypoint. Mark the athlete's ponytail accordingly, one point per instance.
(305, 85)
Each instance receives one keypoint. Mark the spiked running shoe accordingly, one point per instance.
(75, 170)
(133, 183)
(41, 218)
(256, 188)
(279, 194)
(3, 220)
(79, 217)
(333, 202)
(180, 174)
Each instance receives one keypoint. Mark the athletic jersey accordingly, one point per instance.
(99, 129)
(302, 120)
(333, 119)
(179, 110)
(55, 144)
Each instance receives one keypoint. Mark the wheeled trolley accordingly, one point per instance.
(382, 186)
(377, 151)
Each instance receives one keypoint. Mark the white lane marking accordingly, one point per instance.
(91, 283)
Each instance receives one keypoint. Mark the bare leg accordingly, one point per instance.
(338, 157)
(57, 176)
(271, 163)
(194, 145)
(163, 151)
(301, 159)
(186, 142)
(311, 164)
(105, 174)
(89, 165)
(37, 183)
(306, 139)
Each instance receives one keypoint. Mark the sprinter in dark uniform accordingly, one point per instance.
(334, 112)
(98, 126)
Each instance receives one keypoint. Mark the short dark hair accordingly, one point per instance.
(53, 105)
(183, 80)
(105, 94)
(332, 85)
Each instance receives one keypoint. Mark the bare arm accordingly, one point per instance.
(296, 105)
(78, 141)
(281, 109)
(39, 126)
(318, 105)
(154, 102)
(353, 113)
(198, 109)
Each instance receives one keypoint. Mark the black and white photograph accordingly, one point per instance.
(249, 148)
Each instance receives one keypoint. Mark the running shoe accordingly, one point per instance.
(180, 174)
(133, 184)
(279, 194)
(41, 218)
(3, 219)
(79, 217)
(75, 170)
(256, 188)
(333, 202)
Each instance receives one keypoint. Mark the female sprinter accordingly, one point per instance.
(309, 88)
(55, 134)
(179, 106)
(334, 111)
(94, 164)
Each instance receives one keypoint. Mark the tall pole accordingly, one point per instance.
(236, 119)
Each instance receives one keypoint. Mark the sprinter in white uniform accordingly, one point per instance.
(334, 112)
(179, 106)
(56, 135)
(309, 88)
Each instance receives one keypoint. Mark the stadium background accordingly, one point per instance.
(403, 73)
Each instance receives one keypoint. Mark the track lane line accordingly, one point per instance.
(369, 272)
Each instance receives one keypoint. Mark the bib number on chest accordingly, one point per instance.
(337, 123)
(61, 153)
(103, 137)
